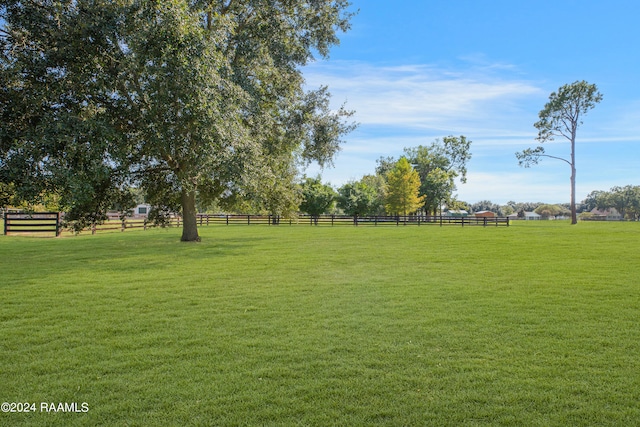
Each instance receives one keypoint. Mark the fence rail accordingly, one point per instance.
(40, 222)
(129, 223)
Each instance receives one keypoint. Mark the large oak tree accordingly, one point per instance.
(187, 99)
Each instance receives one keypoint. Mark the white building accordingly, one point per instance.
(527, 215)
(532, 216)
(141, 211)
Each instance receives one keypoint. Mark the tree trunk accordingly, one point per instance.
(189, 220)
(574, 218)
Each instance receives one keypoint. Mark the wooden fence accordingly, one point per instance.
(204, 220)
(50, 222)
(336, 220)
(40, 222)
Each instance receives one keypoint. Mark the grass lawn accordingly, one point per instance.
(534, 325)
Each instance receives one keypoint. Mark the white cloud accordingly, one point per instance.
(421, 97)
(502, 187)
(409, 105)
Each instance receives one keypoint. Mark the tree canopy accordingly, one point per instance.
(547, 210)
(317, 197)
(403, 188)
(438, 165)
(188, 100)
(358, 198)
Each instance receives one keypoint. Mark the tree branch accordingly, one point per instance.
(531, 156)
(554, 157)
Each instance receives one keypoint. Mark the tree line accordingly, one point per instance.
(626, 200)
(421, 180)
(366, 197)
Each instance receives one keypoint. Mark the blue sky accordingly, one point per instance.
(417, 70)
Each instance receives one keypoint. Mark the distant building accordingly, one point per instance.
(484, 214)
(610, 214)
(532, 216)
(456, 212)
(527, 216)
(141, 211)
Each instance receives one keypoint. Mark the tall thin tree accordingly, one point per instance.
(562, 116)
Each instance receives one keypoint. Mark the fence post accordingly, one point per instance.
(6, 222)
(123, 226)
(485, 221)
(227, 219)
(57, 224)
(332, 217)
(248, 219)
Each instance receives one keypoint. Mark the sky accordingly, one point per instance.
(418, 70)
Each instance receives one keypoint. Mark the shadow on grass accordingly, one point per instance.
(29, 260)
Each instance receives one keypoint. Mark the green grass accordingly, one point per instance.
(533, 325)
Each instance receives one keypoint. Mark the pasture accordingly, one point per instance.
(535, 325)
